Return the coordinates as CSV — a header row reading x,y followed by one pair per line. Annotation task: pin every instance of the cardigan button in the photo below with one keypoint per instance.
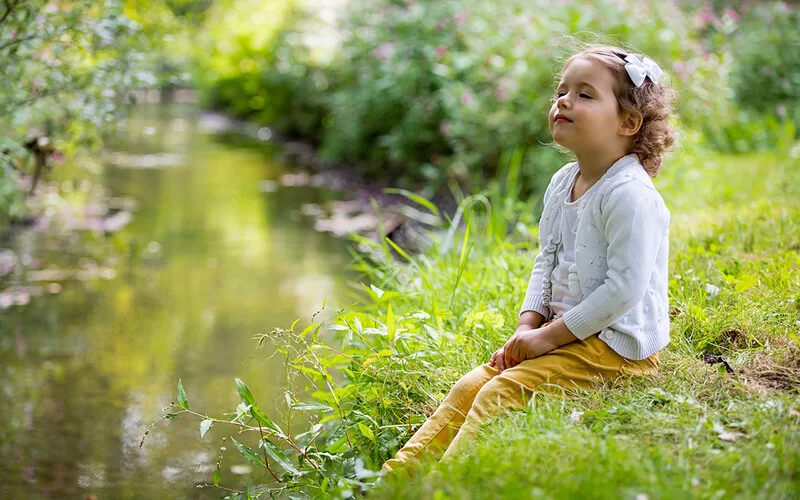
x,y
609,335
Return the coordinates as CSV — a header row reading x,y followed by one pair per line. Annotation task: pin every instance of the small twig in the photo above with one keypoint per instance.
x,y
341,354
711,360
325,376
10,6
243,426
312,442
354,330
397,426
264,448
206,485
17,41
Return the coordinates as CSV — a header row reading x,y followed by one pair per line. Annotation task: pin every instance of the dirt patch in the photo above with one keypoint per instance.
x,y
777,368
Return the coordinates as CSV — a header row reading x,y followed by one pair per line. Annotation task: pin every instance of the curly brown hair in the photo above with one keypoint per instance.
x,y
654,102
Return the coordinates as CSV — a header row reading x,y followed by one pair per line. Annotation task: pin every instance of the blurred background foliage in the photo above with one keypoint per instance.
x,y
63,68
429,92
422,94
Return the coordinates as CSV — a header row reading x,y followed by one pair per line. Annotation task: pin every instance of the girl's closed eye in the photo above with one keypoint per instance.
x,y
582,94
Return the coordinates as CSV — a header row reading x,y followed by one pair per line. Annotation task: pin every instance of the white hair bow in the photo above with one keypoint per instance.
x,y
637,69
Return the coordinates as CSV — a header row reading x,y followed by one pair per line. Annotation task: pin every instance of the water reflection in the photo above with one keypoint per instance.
x,y
209,260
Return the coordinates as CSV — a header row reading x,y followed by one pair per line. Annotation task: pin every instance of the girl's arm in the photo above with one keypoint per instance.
x,y
636,222
530,320
529,344
533,302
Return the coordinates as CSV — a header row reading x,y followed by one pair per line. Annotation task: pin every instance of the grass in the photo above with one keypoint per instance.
x,y
692,430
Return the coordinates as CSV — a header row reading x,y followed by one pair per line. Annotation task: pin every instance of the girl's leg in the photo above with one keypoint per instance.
x,y
576,365
436,433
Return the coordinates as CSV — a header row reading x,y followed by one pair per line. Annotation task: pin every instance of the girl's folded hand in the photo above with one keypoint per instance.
x,y
499,359
521,346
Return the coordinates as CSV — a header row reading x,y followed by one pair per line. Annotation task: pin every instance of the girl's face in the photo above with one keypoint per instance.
x,y
584,117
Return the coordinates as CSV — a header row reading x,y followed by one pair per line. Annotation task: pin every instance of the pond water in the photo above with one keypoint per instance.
x,y
210,259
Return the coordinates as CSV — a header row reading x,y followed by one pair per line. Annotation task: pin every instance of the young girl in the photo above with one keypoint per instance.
x,y
596,305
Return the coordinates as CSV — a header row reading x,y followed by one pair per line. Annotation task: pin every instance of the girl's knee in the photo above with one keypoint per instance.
x,y
471,383
501,391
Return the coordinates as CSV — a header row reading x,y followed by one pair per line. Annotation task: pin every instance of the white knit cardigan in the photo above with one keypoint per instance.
x,y
621,254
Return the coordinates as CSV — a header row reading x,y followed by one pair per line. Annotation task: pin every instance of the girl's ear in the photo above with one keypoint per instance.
x,y
630,124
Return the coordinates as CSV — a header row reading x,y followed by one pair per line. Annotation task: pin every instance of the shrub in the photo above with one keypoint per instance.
x,y
435,91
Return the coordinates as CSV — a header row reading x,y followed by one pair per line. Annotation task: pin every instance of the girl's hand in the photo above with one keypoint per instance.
x,y
499,359
522,345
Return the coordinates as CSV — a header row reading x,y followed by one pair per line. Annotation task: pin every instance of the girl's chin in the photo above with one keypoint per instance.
x,y
561,141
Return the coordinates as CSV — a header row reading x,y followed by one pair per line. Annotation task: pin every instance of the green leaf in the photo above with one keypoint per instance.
x,y
378,291
244,393
248,453
310,406
391,324
276,454
339,446
309,328
366,431
205,425
264,420
414,197
183,401
216,477
255,411
398,249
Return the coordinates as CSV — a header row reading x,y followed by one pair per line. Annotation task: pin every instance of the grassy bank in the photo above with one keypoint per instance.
x,y
370,374
692,430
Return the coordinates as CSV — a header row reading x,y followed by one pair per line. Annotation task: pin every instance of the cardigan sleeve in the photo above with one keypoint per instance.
x,y
533,296
635,222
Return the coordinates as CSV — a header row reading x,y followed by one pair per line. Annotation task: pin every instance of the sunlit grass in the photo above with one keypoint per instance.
x,y
692,430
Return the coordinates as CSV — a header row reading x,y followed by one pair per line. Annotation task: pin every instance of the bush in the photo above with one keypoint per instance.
x,y
767,53
441,89
255,65
762,40
64,70
435,91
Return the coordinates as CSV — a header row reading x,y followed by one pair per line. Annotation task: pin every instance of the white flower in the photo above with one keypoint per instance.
x,y
575,417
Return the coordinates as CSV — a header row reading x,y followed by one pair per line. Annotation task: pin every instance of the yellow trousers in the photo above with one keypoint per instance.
x,y
483,393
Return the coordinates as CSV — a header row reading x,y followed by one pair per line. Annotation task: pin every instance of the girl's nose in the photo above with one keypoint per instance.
x,y
562,101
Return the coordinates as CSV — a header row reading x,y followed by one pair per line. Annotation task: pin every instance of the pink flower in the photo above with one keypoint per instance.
x,y
384,51
444,128
466,98
441,51
683,70
501,95
706,16
731,14
6,300
461,17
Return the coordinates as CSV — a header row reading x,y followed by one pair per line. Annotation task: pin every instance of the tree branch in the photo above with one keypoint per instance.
x,y
18,40
10,6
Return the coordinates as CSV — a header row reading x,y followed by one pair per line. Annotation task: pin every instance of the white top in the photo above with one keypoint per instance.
x,y
564,278
621,258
